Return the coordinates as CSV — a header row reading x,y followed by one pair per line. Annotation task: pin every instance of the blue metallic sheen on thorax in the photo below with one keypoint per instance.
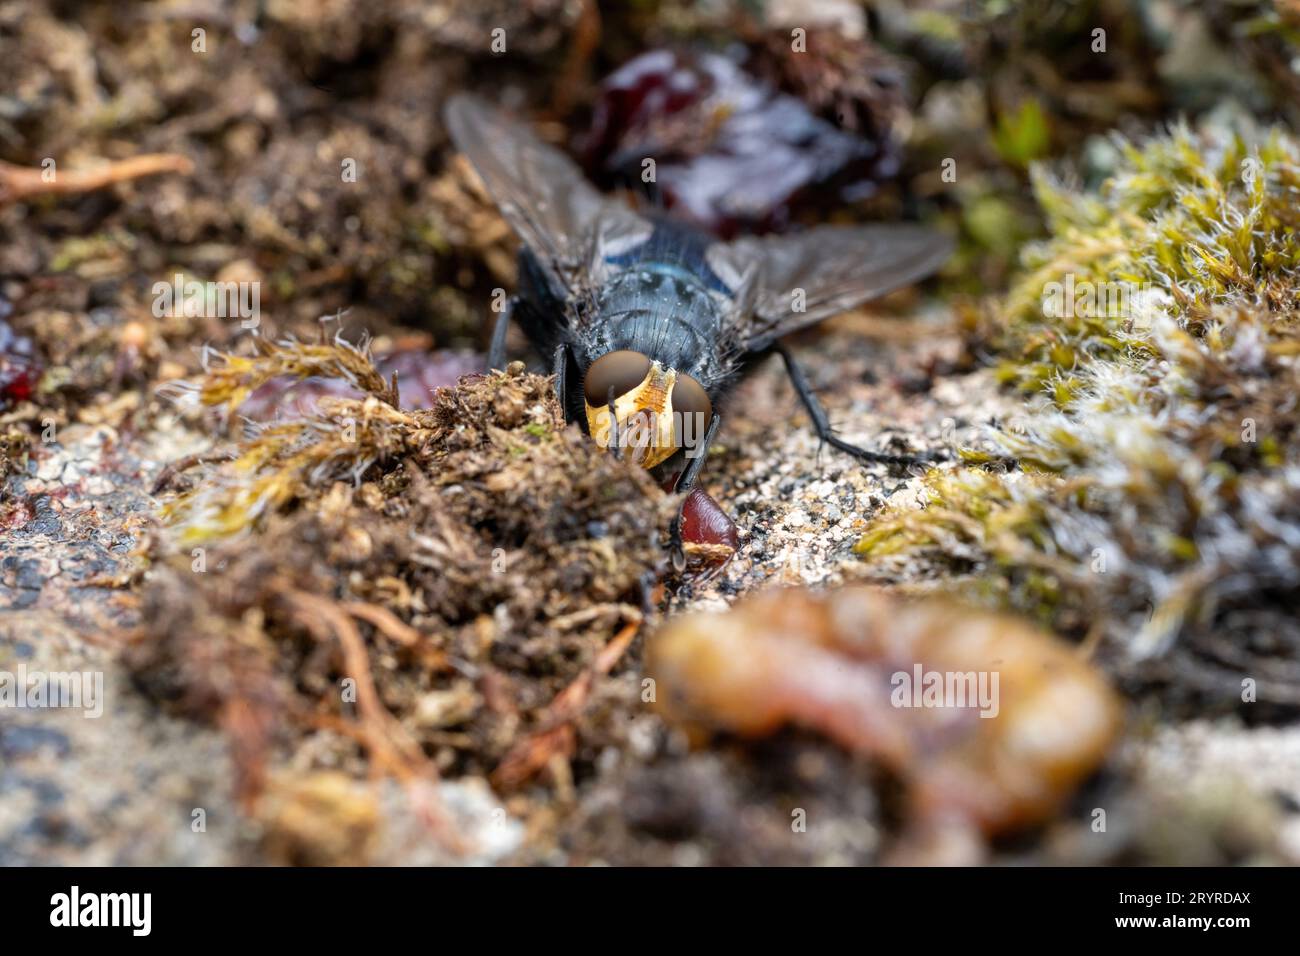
x,y
661,312
665,302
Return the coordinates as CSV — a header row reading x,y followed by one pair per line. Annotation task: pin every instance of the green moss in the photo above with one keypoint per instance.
x,y
1157,454
1023,135
1182,228
79,251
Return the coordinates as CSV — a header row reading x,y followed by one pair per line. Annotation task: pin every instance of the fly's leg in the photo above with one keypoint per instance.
x,y
676,550
694,464
560,369
822,424
496,358
615,444
684,485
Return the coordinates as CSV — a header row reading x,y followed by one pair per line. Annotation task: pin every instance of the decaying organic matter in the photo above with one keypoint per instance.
x,y
1029,722
427,580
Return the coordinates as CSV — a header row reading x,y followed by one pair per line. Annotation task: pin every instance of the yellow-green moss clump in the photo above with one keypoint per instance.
x,y
1151,487
278,462
1185,228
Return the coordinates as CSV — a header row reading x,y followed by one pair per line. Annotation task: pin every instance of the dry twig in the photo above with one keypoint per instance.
x,y
19,183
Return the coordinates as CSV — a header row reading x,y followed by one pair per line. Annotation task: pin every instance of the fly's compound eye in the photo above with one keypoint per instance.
x,y
692,411
614,373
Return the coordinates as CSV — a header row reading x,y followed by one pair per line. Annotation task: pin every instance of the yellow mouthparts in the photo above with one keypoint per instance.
x,y
644,418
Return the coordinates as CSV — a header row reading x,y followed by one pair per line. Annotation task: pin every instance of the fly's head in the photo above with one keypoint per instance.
x,y
641,406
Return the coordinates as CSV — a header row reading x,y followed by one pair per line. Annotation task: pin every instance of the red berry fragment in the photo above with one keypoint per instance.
x,y
731,152
20,367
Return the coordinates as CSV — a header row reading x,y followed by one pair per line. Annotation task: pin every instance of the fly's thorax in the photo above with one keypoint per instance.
x,y
660,311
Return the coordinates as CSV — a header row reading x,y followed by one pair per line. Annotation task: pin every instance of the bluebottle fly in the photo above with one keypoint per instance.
x,y
649,322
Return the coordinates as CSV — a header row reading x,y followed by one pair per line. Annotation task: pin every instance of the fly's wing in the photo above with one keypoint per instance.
x,y
542,194
791,282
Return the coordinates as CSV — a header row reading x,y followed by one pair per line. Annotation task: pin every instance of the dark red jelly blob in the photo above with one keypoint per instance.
x,y
704,522
20,367
419,373
731,152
